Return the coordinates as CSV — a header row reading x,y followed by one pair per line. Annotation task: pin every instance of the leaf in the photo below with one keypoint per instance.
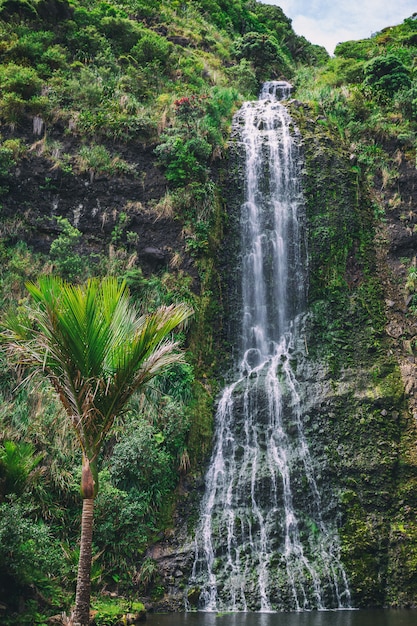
x,y
159,438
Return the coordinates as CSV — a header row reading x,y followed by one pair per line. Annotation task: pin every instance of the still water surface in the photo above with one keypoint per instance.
x,y
316,618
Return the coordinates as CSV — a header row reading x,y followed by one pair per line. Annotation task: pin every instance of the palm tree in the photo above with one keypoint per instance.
x,y
97,351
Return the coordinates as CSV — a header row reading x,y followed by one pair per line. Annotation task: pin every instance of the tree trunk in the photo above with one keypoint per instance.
x,y
82,596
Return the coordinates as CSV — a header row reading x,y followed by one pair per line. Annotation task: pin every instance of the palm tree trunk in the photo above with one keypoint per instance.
x,y
82,596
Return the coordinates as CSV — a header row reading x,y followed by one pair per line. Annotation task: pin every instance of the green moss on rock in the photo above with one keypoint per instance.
x,y
358,425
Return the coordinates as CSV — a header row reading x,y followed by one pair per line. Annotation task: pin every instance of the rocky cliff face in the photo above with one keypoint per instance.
x,y
358,372
355,367
39,191
359,377
396,254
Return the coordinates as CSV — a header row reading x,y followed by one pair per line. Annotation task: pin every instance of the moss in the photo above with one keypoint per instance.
x,y
117,611
201,431
366,437
364,538
205,342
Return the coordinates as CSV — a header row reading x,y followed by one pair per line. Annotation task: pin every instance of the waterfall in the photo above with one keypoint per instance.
x,y
263,542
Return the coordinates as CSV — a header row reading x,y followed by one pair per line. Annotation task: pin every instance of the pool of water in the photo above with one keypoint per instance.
x,y
314,618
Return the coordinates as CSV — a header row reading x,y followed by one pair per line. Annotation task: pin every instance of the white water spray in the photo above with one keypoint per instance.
x,y
262,543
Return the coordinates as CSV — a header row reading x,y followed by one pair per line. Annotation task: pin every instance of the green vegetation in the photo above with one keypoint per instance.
x,y
115,121
360,139
67,263
97,352
97,67
110,612
84,88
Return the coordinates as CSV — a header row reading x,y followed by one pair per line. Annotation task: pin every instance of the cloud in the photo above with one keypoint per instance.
x,y
324,33
327,22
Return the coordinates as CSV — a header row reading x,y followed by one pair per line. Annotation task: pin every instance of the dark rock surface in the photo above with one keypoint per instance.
x,y
39,192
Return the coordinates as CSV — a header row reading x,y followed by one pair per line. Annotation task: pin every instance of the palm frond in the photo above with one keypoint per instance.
x,y
93,346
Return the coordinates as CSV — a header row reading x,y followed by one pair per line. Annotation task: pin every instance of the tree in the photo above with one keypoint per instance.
x,y
265,54
96,350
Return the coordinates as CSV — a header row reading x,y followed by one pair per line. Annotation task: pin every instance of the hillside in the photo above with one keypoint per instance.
x,y
115,151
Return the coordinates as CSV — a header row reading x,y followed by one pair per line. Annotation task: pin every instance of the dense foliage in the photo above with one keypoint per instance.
x,y
360,145
97,351
135,95
366,95
83,86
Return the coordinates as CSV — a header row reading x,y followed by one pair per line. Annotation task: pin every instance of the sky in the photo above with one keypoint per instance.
x,y
328,22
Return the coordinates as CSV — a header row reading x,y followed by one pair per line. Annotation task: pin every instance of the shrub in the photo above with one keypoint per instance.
x,y
96,159
406,100
87,42
141,463
85,91
151,47
243,75
184,160
189,110
387,74
265,54
346,71
7,161
28,555
17,461
12,109
190,69
137,484
122,33
67,262
143,9
123,119
16,147
31,45
19,264
22,81
55,57
219,111
353,50
95,12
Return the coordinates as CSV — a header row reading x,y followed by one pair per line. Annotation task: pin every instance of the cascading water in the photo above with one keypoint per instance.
x,y
263,543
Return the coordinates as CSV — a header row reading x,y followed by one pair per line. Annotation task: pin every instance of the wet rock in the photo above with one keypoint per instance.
x,y
134,618
193,596
394,329
154,256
